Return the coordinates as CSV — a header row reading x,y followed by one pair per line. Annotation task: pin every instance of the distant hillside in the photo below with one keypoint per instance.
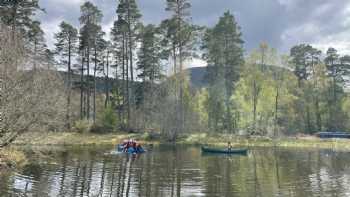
x,y
197,76
100,81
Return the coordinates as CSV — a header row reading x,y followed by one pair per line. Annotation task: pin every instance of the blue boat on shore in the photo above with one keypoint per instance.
x,y
327,135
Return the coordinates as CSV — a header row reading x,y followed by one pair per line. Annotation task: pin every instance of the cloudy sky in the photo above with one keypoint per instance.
x,y
281,23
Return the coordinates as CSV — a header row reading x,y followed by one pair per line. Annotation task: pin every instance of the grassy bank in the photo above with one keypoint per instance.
x,y
80,139
288,142
192,139
11,158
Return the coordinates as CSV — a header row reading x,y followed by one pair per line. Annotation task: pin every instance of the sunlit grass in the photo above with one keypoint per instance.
x,y
11,158
293,142
72,138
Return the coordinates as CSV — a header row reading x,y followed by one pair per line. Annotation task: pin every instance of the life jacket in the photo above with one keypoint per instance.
x,y
129,144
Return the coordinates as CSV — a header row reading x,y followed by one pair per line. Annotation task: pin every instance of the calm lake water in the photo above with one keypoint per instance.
x,y
182,171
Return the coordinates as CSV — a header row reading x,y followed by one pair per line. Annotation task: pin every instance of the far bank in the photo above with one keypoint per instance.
x,y
86,139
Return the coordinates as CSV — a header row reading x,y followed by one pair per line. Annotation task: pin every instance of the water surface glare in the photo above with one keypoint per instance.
x,y
182,171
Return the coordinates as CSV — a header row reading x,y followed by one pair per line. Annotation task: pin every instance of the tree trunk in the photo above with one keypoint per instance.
x,y
308,120
9,140
82,86
130,56
107,80
94,99
318,115
14,18
316,98
124,78
127,83
117,91
255,103
34,56
69,85
88,82
181,106
335,102
181,59
276,112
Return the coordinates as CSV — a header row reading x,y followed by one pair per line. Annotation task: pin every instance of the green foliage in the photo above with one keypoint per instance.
x,y
303,57
66,42
201,106
107,121
224,53
19,14
269,85
21,17
263,93
150,55
82,126
90,20
129,12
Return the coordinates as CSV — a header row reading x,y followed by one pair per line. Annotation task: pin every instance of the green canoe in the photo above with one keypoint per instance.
x,y
224,151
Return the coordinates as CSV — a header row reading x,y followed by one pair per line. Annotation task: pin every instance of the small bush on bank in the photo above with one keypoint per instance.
x,y
82,126
151,135
106,122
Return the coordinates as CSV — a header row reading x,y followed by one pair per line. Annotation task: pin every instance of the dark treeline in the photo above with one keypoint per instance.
x,y
261,93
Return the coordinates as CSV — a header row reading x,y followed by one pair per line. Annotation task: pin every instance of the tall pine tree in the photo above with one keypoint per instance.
x,y
224,53
19,14
179,35
127,28
66,48
90,21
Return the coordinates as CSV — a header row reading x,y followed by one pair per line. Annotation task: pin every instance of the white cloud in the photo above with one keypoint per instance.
x,y
50,29
67,2
107,28
327,25
288,3
313,34
322,9
195,62
294,34
339,41
282,23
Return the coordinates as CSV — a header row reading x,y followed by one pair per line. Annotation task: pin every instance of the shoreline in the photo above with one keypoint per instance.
x,y
13,157
90,139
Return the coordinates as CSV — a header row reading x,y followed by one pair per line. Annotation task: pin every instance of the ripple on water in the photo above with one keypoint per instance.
x,y
184,171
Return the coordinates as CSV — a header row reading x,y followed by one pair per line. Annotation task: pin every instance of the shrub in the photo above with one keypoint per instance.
x,y
82,126
106,122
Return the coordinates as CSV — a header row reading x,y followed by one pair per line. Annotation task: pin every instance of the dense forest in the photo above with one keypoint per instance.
x,y
258,92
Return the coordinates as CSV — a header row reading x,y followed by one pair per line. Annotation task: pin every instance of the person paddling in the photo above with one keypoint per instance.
x,y
131,145
124,145
139,148
128,145
229,146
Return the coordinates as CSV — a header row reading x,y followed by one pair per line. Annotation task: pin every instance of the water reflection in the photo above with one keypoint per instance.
x,y
183,171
